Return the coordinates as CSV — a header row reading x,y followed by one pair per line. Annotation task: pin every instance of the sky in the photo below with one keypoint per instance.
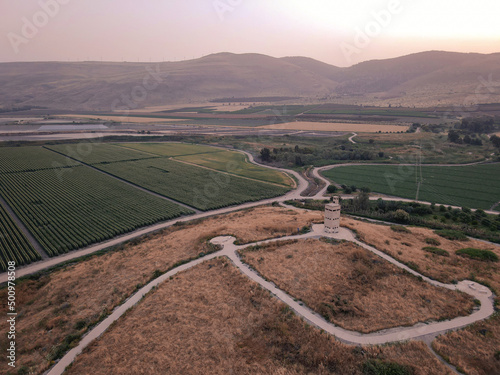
x,y
338,32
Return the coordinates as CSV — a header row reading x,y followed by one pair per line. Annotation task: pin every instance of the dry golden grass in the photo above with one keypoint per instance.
x,y
476,349
50,307
336,127
407,247
213,320
131,119
469,348
395,137
352,287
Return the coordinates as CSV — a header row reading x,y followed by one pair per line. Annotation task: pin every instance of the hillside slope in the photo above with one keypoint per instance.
x,y
418,79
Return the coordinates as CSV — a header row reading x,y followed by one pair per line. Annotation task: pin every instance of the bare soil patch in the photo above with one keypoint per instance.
x,y
213,320
66,301
352,287
131,119
336,127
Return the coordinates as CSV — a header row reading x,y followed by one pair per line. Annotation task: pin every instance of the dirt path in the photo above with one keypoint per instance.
x,y
294,194
39,249
230,250
320,195
418,331
51,262
351,138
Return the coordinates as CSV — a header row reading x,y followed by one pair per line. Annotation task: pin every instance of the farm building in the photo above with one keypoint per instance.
x,y
332,216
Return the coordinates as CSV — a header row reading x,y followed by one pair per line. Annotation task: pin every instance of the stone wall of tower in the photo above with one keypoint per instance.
x,y
332,217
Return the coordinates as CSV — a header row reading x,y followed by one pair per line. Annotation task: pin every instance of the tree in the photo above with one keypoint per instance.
x,y
402,216
331,189
371,141
381,154
298,161
265,154
454,137
495,140
362,201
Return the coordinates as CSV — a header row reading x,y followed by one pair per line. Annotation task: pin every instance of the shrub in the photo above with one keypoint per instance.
x,y
432,241
401,216
478,254
331,189
436,250
453,235
378,367
400,229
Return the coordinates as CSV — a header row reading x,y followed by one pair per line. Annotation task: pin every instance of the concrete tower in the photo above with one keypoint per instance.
x,y
332,216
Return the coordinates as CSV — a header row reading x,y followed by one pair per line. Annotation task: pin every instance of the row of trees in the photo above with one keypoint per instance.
x,y
305,156
454,137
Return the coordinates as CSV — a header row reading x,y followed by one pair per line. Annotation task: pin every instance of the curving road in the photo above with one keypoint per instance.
x,y
293,194
230,250
51,262
317,174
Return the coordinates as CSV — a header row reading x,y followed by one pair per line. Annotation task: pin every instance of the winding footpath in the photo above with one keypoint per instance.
x,y
230,250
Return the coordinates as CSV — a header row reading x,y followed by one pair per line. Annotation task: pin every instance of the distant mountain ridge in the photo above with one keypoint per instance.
x,y
427,78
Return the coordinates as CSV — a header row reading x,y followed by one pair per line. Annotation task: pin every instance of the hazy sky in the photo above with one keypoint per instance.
x,y
340,32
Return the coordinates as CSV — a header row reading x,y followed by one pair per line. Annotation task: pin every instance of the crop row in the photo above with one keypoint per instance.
x,y
95,153
14,246
24,159
195,186
475,186
73,208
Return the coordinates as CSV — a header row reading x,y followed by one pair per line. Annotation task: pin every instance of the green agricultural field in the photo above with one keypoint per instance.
x,y
71,208
476,186
14,246
19,159
170,149
236,163
96,153
195,186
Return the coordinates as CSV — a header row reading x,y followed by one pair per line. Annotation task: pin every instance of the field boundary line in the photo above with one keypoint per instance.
x,y
173,158
165,156
38,247
132,184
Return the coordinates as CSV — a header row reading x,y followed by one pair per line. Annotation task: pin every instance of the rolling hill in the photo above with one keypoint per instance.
x,y
422,79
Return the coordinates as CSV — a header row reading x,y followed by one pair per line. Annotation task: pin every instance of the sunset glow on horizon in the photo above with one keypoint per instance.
x,y
337,32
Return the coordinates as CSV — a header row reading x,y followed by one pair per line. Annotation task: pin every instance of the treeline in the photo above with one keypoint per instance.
x,y
473,223
470,129
300,156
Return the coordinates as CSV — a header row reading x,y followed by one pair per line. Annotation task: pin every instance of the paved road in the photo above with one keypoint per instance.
x,y
317,174
391,335
294,194
230,250
47,263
